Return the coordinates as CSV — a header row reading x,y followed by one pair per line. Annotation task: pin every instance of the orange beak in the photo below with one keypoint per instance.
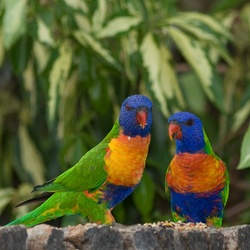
x,y
174,131
141,117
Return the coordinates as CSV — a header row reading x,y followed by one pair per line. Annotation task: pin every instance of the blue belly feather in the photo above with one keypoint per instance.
x,y
114,194
197,207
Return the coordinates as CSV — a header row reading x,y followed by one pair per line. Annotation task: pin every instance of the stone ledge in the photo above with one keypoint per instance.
x,y
143,237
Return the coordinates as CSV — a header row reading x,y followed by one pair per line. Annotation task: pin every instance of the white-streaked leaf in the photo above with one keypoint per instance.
x,y
14,23
42,55
168,77
219,50
30,156
118,25
99,15
77,5
150,55
88,40
245,151
57,78
217,46
130,46
208,20
83,22
44,32
195,54
196,31
161,73
241,115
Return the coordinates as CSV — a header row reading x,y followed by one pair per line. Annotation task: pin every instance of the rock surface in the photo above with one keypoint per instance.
x,y
149,236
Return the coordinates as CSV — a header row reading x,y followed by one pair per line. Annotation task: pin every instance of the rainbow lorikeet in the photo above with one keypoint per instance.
x,y
104,176
197,181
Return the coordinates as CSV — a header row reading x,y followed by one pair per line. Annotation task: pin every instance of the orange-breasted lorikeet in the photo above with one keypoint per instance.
x,y
197,181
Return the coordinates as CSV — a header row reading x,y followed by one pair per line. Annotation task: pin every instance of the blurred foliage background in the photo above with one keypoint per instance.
x,y
66,66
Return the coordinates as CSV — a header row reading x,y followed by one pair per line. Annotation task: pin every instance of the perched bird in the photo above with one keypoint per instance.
x,y
104,176
197,181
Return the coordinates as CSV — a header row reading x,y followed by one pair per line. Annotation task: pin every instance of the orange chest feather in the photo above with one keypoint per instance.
x,y
196,173
125,159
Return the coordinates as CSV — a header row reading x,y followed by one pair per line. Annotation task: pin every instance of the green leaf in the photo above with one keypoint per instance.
x,y
99,15
119,25
193,29
144,195
245,151
241,115
156,60
197,56
42,55
20,54
88,40
14,23
83,23
77,5
44,32
209,21
57,78
6,196
204,33
30,156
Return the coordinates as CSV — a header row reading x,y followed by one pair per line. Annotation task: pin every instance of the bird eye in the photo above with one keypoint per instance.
x,y
128,107
190,122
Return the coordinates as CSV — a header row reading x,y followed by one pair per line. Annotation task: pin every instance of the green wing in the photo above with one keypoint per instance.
x,y
225,192
167,190
87,174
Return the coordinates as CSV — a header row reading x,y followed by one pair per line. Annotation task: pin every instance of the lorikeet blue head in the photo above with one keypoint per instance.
x,y
136,116
187,130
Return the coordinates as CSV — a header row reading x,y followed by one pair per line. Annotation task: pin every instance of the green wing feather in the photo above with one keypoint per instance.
x,y
225,192
88,173
167,189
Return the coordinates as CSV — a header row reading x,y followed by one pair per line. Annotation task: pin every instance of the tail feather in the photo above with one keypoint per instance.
x,y
39,198
60,204
39,187
55,206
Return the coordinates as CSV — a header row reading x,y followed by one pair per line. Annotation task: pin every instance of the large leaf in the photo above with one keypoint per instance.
x,y
88,40
44,32
205,33
241,115
42,55
99,15
209,21
245,151
119,25
77,5
197,56
161,73
30,156
14,23
57,78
